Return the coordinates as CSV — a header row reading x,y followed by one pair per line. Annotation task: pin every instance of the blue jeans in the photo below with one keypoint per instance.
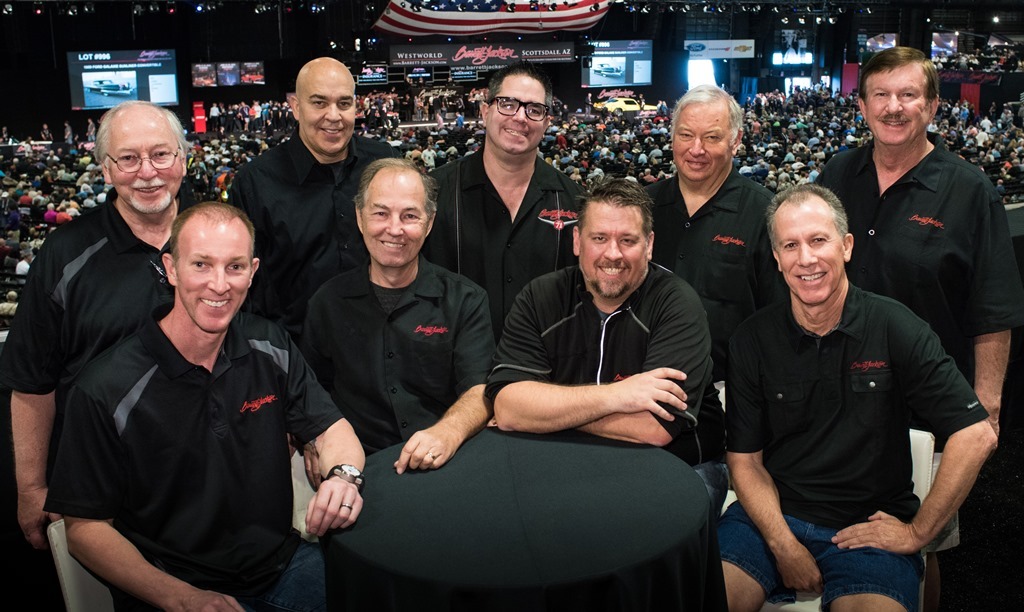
x,y
301,587
849,571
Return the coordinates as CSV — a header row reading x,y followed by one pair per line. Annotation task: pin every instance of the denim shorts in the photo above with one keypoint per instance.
x,y
843,571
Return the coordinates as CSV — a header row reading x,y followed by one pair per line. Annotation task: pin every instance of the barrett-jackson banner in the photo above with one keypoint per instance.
x,y
469,17
961,76
482,56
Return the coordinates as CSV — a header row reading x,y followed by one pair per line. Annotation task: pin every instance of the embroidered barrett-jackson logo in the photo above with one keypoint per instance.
x,y
728,240
864,366
256,404
558,217
928,221
619,377
430,330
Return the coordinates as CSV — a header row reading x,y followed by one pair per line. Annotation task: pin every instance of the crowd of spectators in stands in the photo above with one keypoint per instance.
x,y
1000,58
786,142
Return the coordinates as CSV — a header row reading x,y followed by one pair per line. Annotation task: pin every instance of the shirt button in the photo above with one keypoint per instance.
x,y
391,354
871,384
778,396
871,232
681,256
863,270
405,424
508,280
687,224
394,389
508,245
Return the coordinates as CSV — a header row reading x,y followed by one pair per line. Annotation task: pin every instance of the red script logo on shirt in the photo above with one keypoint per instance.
x,y
728,240
559,218
864,366
927,221
256,404
430,330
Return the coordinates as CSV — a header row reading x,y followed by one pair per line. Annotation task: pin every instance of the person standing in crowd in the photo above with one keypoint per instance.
x,y
176,402
616,346
299,195
711,229
45,134
69,134
412,369
214,117
821,390
93,283
504,215
90,130
931,231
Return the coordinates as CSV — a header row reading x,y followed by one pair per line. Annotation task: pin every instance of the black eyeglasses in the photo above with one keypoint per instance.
x,y
510,106
161,160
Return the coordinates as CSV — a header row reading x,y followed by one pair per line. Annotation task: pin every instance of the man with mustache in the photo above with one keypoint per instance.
x,y
299,196
93,283
617,346
931,231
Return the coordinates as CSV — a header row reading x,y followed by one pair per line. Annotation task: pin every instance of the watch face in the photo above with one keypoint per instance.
x,y
352,471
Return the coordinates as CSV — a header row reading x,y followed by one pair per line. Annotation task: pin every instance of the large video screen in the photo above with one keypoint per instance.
x,y
252,73
103,79
204,75
616,63
793,47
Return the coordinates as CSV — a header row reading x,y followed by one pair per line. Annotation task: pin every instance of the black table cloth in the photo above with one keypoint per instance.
x,y
555,522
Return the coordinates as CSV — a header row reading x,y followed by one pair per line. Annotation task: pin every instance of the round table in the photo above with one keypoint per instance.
x,y
563,521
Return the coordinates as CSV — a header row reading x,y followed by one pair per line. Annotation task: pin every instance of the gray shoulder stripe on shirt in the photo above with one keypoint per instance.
x,y
126,405
562,322
510,366
278,355
71,269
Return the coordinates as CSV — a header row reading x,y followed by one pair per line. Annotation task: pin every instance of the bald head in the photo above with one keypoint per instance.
x,y
324,107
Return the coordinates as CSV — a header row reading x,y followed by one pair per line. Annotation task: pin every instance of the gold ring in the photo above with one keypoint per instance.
x,y
349,506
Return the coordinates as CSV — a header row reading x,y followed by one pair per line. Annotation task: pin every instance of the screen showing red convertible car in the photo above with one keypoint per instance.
x,y
102,79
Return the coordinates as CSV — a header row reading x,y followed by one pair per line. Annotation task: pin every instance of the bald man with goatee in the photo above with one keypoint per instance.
x,y
299,195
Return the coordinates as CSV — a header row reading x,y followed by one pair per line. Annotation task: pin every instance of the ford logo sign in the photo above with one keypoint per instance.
x,y
695,47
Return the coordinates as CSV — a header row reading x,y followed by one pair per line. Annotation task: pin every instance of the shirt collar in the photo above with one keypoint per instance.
x,y
167,357
851,322
927,173
304,162
475,175
117,230
426,284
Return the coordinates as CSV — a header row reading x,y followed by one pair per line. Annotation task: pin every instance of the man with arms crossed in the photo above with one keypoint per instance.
x,y
710,224
503,214
93,283
931,233
185,500
402,345
821,393
616,346
299,195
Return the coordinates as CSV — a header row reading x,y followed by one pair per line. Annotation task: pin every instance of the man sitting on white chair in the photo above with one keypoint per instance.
x,y
821,393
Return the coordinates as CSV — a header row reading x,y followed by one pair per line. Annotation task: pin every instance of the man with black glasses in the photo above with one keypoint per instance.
x,y
94,282
505,217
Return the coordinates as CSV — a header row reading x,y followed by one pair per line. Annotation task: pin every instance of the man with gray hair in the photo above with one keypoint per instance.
x,y
402,345
710,224
93,283
821,392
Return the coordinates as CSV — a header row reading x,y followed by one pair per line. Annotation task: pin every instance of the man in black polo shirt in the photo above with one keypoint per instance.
x,y
299,195
931,231
710,224
93,283
185,501
503,214
821,393
617,346
402,345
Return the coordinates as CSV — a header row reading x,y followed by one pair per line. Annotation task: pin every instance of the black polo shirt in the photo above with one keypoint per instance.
x,y
831,414
396,373
723,251
92,284
937,241
555,334
193,466
305,223
473,234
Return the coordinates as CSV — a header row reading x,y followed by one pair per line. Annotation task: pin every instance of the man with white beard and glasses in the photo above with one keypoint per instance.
x,y
93,283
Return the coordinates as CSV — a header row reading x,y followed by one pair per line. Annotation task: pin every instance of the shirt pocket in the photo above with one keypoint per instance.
x,y
789,411
872,394
726,275
433,374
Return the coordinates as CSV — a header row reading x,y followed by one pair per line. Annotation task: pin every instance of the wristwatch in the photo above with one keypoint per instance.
x,y
348,473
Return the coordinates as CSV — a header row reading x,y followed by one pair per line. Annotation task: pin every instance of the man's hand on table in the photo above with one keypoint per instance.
x,y
429,449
